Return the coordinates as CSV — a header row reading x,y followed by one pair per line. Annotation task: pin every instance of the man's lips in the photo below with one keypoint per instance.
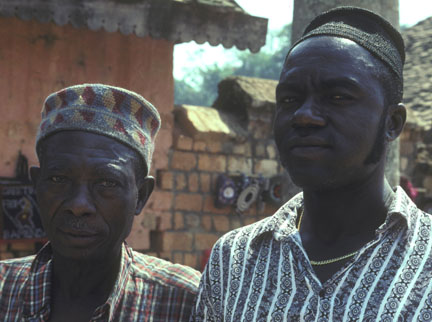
x,y
78,232
307,143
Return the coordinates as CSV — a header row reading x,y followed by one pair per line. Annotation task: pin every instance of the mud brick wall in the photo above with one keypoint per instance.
x,y
189,186
233,137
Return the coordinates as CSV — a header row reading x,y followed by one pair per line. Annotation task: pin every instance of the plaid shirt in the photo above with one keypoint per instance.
x,y
261,272
147,289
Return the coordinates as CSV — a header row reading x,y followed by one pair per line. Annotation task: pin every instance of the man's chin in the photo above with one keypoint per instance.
x,y
80,254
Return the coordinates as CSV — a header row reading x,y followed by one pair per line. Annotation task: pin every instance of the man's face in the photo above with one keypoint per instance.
x,y
329,109
87,194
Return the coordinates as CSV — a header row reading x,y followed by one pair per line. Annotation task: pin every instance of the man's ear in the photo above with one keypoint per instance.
x,y
34,175
396,119
144,193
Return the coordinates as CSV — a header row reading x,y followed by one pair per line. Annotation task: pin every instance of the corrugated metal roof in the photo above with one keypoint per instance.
x,y
216,21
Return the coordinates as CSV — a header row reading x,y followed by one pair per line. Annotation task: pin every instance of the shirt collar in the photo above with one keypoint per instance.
x,y
114,299
38,291
37,296
283,222
401,206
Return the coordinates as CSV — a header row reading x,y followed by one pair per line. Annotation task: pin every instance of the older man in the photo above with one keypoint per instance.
x,y
349,247
95,145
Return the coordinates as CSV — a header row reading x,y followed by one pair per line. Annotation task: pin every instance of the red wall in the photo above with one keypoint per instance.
x,y
39,58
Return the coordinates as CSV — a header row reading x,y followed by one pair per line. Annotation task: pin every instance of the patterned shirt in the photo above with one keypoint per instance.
x,y
147,289
261,272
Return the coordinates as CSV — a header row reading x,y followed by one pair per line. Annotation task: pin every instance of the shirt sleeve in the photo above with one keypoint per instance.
x,y
203,309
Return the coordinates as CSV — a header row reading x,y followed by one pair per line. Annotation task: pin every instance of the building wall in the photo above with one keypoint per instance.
x,y
37,59
185,200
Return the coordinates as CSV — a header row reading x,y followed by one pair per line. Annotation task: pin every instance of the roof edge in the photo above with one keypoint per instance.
x,y
173,20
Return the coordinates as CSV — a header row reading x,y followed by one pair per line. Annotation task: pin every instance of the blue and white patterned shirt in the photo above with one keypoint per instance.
x,y
261,272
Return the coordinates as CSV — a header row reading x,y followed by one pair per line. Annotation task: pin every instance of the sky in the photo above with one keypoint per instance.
x,y
279,13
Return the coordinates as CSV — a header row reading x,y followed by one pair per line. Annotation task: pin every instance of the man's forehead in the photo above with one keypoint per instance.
x,y
328,54
323,45
87,143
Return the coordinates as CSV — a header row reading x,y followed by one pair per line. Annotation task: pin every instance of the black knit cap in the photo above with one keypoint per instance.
x,y
364,27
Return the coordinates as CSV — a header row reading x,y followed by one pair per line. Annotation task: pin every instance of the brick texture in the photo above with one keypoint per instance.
x,y
182,142
177,241
191,259
214,146
221,223
178,221
148,220
159,200
205,241
192,220
180,181
199,146
190,202
205,180
193,182
209,207
215,163
236,163
165,180
139,237
183,160
206,222
177,257
266,167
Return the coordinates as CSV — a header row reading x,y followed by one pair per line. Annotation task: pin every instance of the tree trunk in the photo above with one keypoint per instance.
x,y
306,10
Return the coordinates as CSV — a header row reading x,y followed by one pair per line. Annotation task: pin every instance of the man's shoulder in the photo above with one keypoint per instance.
x,y
14,273
269,224
246,234
22,264
165,273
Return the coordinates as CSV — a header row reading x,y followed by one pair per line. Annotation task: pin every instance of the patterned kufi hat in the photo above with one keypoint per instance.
x,y
102,109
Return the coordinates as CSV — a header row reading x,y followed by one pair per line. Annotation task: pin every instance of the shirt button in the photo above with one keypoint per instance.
x,y
322,292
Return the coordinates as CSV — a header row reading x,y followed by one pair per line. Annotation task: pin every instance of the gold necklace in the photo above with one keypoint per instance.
x,y
326,261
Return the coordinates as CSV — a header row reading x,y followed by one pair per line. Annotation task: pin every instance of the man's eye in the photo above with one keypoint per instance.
x,y
289,100
108,183
57,179
341,97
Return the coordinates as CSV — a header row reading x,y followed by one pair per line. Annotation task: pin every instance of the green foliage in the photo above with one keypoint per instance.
x,y
199,86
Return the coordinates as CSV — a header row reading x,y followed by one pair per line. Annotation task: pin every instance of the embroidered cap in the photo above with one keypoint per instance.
x,y
102,109
364,27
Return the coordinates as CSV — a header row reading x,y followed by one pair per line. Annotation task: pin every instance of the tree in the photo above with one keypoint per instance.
x,y
199,86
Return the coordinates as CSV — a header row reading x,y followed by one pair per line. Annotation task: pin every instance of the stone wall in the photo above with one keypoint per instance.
x,y
416,155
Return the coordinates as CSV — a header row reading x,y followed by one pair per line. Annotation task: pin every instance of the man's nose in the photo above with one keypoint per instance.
x,y
308,114
80,202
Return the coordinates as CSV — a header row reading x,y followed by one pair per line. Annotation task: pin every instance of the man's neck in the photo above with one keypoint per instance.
x,y
336,214
74,280
338,222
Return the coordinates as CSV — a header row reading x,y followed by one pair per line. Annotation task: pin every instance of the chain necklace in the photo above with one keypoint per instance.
x,y
326,261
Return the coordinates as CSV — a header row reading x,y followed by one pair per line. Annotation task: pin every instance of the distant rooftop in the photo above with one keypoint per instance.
x,y
216,21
